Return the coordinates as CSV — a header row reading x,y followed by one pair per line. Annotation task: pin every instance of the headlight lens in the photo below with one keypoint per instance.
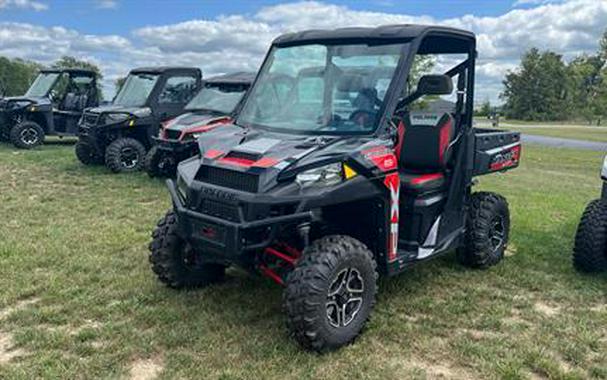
x,y
182,187
604,170
327,175
116,117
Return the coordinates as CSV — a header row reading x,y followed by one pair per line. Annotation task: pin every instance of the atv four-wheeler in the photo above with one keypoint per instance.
x,y
212,107
343,177
51,106
590,248
120,134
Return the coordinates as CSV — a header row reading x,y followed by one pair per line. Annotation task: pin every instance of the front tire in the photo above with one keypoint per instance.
x,y
175,262
487,231
87,154
27,135
125,155
590,248
159,163
330,293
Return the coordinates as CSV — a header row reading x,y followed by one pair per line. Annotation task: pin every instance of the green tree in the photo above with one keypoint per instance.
x,y
537,90
586,82
67,62
16,75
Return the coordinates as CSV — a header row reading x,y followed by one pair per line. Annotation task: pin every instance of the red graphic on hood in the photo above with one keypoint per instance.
x,y
382,157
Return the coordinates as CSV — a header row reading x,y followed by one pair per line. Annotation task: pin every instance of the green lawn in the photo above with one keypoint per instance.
x,y
579,133
78,300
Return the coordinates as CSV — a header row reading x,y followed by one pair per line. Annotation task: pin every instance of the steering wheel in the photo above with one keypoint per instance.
x,y
363,118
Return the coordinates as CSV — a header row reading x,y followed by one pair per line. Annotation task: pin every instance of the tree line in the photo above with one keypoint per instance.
x,y
546,88
16,74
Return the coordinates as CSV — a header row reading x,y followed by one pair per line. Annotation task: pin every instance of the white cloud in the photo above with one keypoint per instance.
x,y
239,42
107,4
23,4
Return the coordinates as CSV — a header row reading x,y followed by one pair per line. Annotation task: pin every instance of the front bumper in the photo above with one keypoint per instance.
x,y
227,240
177,147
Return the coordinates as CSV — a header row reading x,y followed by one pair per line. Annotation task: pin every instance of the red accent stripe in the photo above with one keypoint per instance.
x,y
280,255
265,162
426,178
445,136
237,161
401,138
212,154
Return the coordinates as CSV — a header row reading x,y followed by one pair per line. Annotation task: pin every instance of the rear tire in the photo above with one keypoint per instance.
x,y
159,163
590,248
174,261
125,155
87,154
27,135
5,133
487,231
330,293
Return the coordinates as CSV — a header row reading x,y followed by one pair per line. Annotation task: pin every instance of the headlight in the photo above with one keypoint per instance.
x,y
604,170
327,175
182,187
116,117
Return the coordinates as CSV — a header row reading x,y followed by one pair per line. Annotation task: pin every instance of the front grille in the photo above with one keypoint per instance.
x,y
172,134
90,118
228,178
219,210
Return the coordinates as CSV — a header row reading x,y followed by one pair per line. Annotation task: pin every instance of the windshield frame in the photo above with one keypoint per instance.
x,y
49,89
149,94
409,46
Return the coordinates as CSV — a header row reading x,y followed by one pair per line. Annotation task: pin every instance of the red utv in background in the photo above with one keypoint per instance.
x,y
210,108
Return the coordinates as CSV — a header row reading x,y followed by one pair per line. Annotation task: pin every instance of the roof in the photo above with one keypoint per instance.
x,y
77,71
163,69
240,77
384,32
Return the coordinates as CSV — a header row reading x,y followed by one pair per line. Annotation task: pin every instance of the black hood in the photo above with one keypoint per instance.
x,y
192,120
25,99
111,108
270,156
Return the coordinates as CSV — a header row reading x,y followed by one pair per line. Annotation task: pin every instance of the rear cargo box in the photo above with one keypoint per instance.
x,y
495,150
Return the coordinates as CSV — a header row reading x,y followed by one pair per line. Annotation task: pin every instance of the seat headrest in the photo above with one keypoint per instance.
x,y
431,119
350,83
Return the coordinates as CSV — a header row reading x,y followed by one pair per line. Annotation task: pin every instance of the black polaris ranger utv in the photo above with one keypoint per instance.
x,y
121,133
51,106
590,248
341,178
212,107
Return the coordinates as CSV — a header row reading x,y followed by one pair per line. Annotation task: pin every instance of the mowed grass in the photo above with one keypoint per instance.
x,y
576,133
78,300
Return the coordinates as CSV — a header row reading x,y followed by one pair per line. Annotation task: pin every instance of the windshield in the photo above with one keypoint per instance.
x,y
217,98
326,89
136,89
42,85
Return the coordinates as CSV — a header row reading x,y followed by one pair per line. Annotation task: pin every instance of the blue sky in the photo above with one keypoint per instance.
x,y
224,36
90,16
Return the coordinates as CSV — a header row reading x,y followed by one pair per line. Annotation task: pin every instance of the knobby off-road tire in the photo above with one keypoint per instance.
x,y
5,133
87,154
159,163
125,155
590,248
487,231
174,261
27,135
316,286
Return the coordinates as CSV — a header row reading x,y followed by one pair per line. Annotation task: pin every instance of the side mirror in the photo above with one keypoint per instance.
x,y
435,85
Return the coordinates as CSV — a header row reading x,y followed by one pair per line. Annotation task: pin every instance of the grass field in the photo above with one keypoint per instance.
x,y
77,298
578,133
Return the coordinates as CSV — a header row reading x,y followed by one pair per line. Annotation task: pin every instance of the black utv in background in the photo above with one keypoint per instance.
x,y
52,106
210,108
341,176
120,134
